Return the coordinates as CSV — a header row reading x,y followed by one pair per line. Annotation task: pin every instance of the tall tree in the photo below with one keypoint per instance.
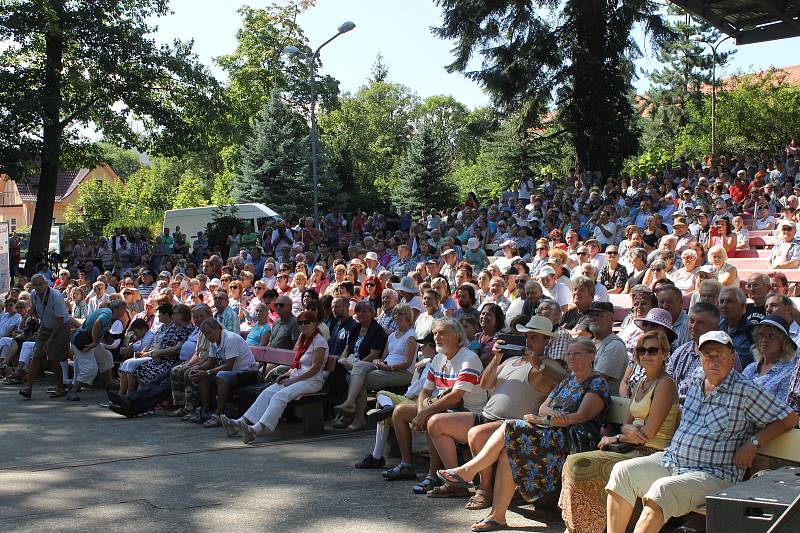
x,y
72,63
535,50
424,173
276,163
686,67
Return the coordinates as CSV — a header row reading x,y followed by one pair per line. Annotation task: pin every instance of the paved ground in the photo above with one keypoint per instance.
x,y
79,467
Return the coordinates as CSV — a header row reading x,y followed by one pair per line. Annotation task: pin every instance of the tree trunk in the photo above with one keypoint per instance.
x,y
51,141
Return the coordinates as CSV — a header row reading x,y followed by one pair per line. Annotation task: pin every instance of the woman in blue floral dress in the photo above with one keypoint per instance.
x,y
530,453
166,356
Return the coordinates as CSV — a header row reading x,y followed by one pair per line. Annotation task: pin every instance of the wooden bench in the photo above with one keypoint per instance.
x,y
310,408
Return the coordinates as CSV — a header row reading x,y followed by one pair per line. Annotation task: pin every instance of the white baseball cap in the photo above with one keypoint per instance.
x,y
715,336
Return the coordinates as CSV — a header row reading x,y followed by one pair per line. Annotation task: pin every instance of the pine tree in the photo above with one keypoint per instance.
x,y
275,164
686,69
423,174
379,71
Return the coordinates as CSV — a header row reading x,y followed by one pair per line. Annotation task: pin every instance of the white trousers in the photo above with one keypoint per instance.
x,y
129,365
5,342
91,362
25,352
270,404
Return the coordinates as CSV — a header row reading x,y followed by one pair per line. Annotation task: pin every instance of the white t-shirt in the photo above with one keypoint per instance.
x,y
462,372
416,303
307,359
560,293
233,346
396,348
600,236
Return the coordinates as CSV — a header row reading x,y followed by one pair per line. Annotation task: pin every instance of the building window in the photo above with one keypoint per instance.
x,y
13,225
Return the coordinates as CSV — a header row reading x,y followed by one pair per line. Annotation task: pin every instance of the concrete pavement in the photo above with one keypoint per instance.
x,y
79,467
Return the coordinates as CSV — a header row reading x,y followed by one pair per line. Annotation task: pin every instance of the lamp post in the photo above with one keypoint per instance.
x,y
311,60
698,38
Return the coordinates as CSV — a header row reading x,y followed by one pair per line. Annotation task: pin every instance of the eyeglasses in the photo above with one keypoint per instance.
x,y
611,253
540,249
641,350
304,322
658,270
573,354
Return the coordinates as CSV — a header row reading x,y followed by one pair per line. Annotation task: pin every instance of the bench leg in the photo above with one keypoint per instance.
x,y
313,417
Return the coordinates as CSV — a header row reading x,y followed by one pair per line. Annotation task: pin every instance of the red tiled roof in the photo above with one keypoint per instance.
x,y
66,182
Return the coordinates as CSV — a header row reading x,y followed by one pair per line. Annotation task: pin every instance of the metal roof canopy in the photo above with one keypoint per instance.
x,y
749,21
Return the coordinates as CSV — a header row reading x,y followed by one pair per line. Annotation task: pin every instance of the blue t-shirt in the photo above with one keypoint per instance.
x,y
254,337
104,315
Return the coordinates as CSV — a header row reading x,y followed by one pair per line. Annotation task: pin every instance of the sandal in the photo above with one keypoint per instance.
x,y
426,485
489,525
400,472
451,478
447,490
481,500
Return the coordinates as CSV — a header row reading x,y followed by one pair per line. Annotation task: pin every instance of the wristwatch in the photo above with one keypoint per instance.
x,y
755,441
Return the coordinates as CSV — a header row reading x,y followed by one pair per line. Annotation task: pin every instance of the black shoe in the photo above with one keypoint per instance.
x,y
370,462
127,413
400,472
379,415
25,393
114,397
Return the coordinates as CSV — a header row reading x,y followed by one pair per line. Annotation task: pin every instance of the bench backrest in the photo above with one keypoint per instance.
x,y
279,356
786,446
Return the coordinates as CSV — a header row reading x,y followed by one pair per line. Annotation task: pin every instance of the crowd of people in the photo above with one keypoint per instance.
x,y
486,325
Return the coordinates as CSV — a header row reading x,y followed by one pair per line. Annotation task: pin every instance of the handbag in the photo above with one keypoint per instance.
x,y
621,447
582,438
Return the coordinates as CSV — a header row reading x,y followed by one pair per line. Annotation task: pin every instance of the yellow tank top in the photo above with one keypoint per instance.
x,y
641,409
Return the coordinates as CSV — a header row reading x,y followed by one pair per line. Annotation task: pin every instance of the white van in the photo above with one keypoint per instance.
x,y
194,219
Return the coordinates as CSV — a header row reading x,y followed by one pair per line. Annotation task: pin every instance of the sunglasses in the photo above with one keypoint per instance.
x,y
582,253
304,322
370,284
611,253
540,249
640,351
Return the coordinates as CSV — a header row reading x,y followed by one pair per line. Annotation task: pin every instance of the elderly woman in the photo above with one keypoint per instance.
x,y
648,427
393,369
614,275
656,272
684,278
530,453
389,299
726,272
166,356
366,343
774,354
741,233
306,375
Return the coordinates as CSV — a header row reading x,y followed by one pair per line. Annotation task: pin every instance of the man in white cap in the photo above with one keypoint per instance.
x,y
409,294
373,266
553,289
508,252
785,252
726,419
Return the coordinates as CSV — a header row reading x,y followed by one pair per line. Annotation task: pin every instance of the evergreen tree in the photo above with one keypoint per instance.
x,y
687,67
379,71
275,166
423,174
577,52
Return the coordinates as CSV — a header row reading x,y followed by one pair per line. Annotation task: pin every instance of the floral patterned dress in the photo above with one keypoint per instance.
x,y
537,453
149,371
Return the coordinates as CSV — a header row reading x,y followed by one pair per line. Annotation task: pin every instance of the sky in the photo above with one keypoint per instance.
x,y
400,31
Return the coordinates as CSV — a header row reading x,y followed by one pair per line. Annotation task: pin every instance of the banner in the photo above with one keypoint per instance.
x,y
5,267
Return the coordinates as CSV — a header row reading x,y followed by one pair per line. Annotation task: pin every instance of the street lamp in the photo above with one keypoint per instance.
x,y
698,38
311,60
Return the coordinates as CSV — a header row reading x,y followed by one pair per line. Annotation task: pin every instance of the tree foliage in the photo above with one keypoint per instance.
x,y
424,173
69,64
535,50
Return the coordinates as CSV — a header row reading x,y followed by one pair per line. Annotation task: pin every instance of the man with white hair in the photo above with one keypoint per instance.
x,y
600,291
373,266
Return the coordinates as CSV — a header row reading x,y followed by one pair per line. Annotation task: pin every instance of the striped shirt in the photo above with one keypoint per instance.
x,y
713,427
462,372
